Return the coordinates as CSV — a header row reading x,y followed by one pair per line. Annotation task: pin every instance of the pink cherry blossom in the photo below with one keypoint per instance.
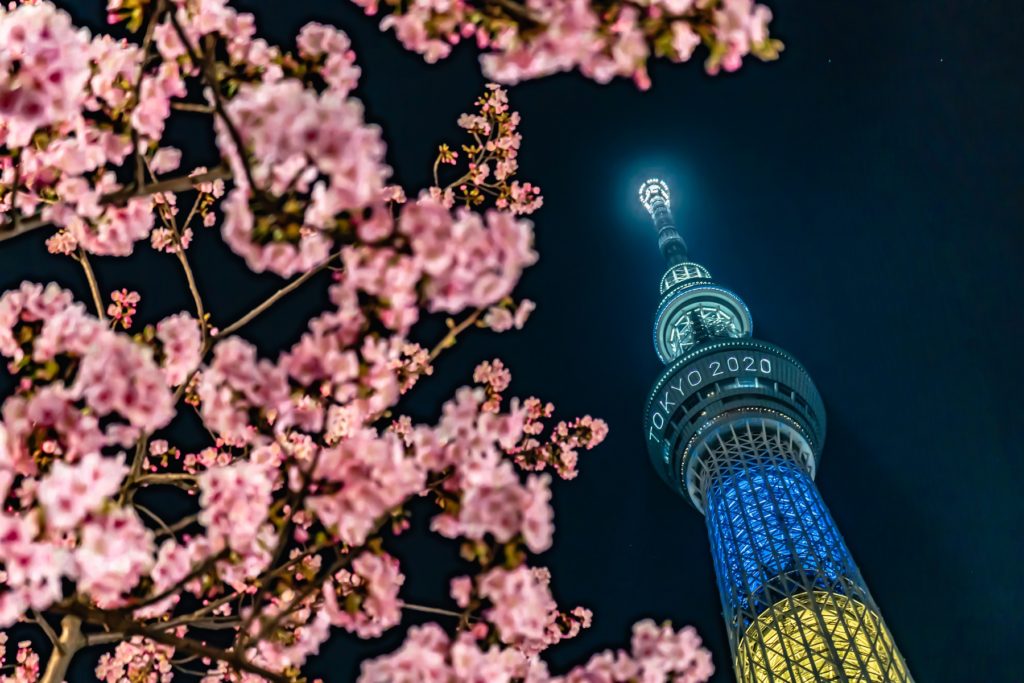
x,y
364,476
741,26
42,73
32,568
26,662
136,659
235,383
422,658
234,500
469,260
30,303
372,588
115,552
288,474
522,607
339,70
181,343
123,306
70,492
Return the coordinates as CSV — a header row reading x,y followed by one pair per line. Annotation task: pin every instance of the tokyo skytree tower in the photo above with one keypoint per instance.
x,y
736,426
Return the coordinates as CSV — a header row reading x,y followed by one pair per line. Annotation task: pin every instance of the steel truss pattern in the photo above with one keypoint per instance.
x,y
796,607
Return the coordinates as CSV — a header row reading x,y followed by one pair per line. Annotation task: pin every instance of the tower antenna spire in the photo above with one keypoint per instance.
x,y
655,197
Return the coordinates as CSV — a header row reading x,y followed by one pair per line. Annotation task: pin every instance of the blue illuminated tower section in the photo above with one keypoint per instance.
x,y
736,426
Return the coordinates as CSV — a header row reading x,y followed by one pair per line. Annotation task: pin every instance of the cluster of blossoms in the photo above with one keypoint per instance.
x,y
123,306
603,40
136,659
491,159
42,75
429,655
365,600
25,666
309,469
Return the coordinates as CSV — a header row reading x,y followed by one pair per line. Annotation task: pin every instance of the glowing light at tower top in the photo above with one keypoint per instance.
x,y
653,191
655,198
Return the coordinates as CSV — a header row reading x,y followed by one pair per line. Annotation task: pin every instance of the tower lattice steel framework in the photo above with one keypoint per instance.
x,y
736,426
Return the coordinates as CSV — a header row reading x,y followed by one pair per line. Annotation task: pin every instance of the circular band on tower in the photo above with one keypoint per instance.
x,y
682,273
716,305
723,380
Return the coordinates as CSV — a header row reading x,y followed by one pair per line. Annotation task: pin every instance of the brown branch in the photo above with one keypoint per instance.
x,y
197,571
127,488
517,10
192,106
176,184
430,610
122,625
236,660
103,638
71,640
188,619
169,478
275,297
94,287
218,101
47,629
268,627
155,517
191,278
147,42
449,339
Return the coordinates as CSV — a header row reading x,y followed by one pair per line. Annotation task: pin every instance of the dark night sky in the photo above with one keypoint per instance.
x,y
863,194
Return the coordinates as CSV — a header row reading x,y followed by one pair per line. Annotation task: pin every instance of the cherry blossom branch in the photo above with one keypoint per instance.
x,y
176,184
267,627
147,42
232,658
430,610
197,571
515,9
275,297
170,478
127,489
94,287
209,607
449,339
70,641
293,503
192,106
191,278
155,517
41,621
218,102
171,222
103,638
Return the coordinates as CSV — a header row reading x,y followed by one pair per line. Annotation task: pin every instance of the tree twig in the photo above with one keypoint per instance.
x,y
103,638
147,41
169,478
449,339
48,630
430,610
176,184
218,101
70,641
94,287
275,297
192,106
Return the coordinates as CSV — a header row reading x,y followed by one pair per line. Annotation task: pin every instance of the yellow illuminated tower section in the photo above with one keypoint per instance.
x,y
736,426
